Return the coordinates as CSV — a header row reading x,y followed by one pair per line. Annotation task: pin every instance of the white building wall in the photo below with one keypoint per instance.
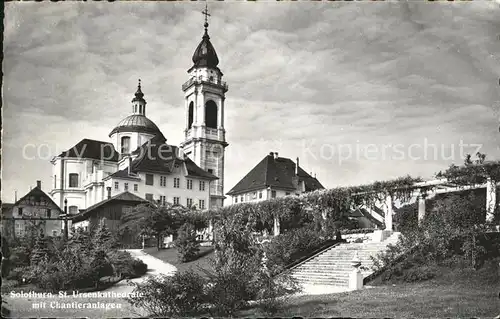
x,y
254,196
136,139
90,175
169,191
50,227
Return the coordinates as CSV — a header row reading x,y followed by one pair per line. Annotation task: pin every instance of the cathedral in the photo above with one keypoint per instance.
x,y
137,158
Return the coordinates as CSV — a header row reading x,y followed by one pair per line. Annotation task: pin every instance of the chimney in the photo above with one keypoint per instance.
x,y
109,192
15,196
297,167
275,155
271,154
39,184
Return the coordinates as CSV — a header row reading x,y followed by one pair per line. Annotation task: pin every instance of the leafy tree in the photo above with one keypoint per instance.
x,y
187,243
154,220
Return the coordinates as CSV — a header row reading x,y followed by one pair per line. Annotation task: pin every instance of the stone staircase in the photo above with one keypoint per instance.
x,y
333,265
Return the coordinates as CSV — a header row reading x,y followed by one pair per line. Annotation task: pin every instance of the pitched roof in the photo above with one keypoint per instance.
x,y
161,157
38,194
124,174
195,170
277,173
92,149
155,157
123,197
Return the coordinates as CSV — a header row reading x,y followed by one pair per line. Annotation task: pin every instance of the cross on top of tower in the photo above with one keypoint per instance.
x,y
206,14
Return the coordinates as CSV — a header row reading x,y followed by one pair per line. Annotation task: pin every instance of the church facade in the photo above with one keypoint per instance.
x,y
137,159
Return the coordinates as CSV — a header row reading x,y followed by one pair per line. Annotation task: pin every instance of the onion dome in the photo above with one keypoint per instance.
x,y
205,55
139,96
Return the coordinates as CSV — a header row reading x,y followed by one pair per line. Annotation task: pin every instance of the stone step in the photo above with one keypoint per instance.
x,y
321,275
314,276
327,269
333,282
310,277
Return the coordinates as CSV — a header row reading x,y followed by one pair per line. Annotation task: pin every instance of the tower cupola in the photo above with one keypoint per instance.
x,y
205,55
138,102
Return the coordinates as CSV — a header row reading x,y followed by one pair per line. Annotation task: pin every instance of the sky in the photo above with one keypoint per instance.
x,y
359,91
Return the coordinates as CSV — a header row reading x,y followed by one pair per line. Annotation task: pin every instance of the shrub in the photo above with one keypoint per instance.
x,y
419,273
357,231
70,271
101,266
234,281
139,268
186,243
126,266
17,273
162,296
448,236
272,296
19,257
285,248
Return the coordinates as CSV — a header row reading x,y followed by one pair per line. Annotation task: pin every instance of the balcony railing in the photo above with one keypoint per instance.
x,y
204,80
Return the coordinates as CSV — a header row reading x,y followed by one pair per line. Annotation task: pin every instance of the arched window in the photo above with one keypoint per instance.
x,y
73,180
211,114
125,145
190,115
73,210
211,79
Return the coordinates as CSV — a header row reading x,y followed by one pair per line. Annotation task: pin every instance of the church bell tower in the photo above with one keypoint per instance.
x,y
204,95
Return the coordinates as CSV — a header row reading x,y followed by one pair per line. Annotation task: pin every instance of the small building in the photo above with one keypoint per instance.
x,y
273,177
35,209
112,209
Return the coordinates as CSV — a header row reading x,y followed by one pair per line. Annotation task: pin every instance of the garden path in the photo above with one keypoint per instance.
x,y
155,267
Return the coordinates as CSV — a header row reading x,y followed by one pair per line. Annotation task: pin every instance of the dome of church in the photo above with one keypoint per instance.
x,y
136,123
205,55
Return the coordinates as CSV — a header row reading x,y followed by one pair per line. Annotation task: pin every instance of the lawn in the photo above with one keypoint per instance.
x,y
458,293
169,255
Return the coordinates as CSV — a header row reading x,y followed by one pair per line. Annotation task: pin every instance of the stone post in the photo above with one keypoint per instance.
x,y
143,242
355,277
276,226
388,212
491,194
421,207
